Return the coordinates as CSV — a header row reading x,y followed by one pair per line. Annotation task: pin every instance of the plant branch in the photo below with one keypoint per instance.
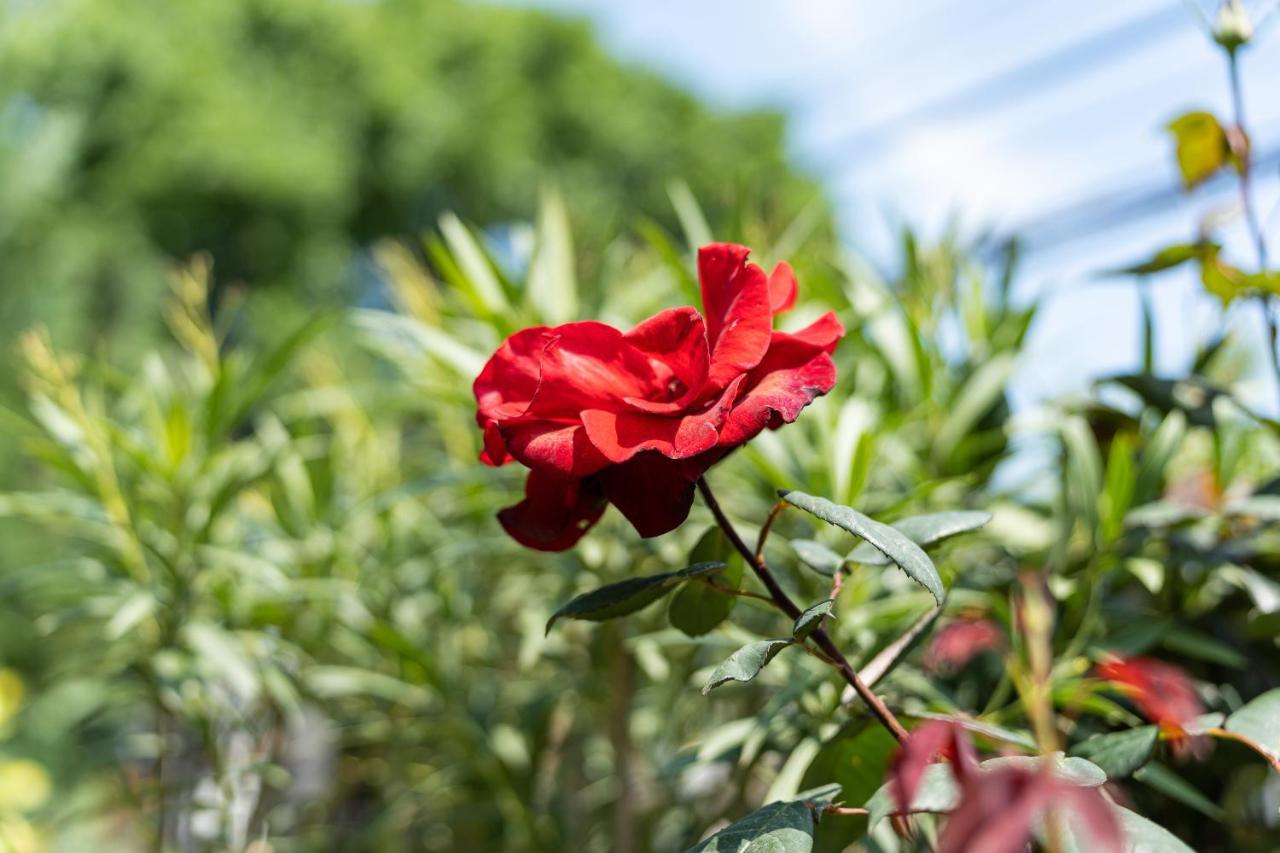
x,y
1241,147
768,525
820,637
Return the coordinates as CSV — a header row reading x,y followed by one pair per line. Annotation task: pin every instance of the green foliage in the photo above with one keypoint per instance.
x,y
746,663
628,596
283,135
895,546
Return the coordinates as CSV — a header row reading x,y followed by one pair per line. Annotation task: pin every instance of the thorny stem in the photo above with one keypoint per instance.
x,y
1240,144
820,637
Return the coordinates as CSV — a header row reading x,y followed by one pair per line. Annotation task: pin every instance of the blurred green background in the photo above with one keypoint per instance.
x,y
252,594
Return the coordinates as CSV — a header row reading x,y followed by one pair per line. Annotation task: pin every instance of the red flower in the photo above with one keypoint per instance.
x,y
955,645
634,419
1162,691
998,808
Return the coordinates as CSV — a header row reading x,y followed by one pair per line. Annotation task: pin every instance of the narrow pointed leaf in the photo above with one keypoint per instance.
x,y
924,530
746,663
892,543
628,596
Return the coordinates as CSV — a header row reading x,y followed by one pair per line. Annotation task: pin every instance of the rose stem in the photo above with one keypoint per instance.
x,y
787,606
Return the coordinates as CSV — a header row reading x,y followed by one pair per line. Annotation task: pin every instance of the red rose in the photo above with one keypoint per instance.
x,y
634,419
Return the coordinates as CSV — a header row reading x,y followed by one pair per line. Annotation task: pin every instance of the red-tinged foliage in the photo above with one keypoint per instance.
x,y
999,810
957,643
929,742
1163,692
633,419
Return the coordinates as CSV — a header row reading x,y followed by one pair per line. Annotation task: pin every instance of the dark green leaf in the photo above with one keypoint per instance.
x,y
698,607
1119,753
746,663
628,596
897,547
924,530
1172,785
811,620
817,556
775,828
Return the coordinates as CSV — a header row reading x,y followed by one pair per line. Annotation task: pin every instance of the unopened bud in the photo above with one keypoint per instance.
x,y
1234,29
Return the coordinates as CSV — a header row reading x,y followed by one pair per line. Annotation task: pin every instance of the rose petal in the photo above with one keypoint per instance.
x,y
495,447
510,377
782,288
652,491
735,299
777,392
621,435
676,339
822,334
556,445
589,365
555,512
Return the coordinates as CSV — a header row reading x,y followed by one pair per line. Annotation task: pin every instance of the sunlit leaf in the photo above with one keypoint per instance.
x,y
924,530
1202,147
893,544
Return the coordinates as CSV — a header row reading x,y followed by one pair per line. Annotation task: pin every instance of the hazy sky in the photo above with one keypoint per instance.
x,y
1002,112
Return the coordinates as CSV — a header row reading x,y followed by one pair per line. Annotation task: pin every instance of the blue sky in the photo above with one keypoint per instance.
x,y
1001,112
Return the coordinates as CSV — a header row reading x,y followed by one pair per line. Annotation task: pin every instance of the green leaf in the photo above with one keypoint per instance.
x,y
817,556
1172,785
628,596
1119,753
697,608
1141,835
1202,146
745,664
897,547
811,620
1167,258
775,828
979,394
477,280
552,289
924,530
1259,721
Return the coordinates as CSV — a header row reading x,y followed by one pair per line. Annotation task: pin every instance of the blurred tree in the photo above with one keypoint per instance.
x,y
280,135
